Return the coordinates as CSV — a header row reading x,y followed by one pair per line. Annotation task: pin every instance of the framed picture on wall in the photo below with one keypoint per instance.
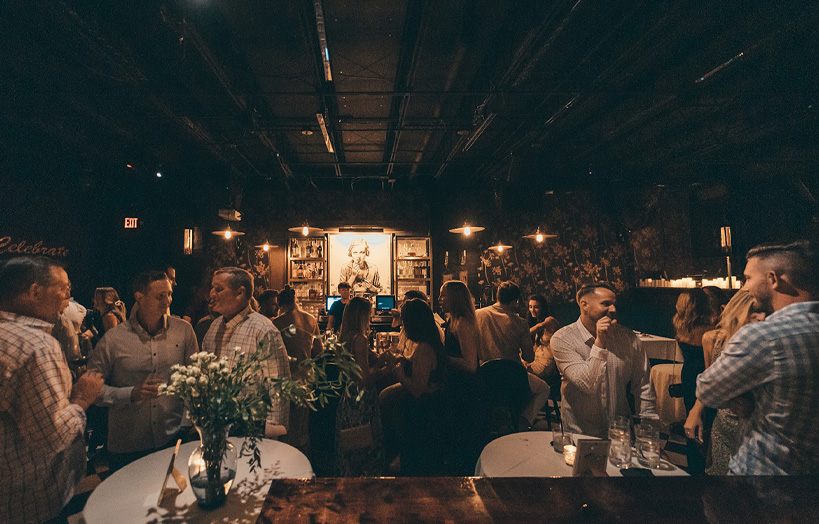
x,y
363,260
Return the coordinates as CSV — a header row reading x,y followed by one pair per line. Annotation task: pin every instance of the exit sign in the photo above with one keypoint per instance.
x,y
131,223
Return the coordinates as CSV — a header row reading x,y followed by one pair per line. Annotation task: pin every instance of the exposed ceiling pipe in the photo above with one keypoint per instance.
x,y
524,55
415,28
322,40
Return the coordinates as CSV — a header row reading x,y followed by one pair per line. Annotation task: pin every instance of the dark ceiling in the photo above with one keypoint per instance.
x,y
535,92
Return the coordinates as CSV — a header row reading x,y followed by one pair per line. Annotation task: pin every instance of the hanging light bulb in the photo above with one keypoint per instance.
x,y
539,237
266,247
305,230
499,248
466,229
228,233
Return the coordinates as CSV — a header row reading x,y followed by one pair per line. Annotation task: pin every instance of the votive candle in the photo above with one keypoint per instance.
x,y
569,452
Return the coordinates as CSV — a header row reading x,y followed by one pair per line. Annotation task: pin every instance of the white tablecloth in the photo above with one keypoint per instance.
x,y
530,454
669,409
657,347
130,494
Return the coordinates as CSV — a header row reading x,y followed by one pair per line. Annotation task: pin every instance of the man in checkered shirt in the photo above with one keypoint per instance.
x,y
240,330
42,417
769,371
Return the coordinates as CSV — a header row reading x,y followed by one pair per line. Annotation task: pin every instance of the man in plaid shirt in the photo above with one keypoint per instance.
x,y
42,417
240,330
769,371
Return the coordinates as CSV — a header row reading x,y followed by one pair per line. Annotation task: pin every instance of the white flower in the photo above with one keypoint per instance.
x,y
203,380
176,376
194,392
191,381
195,370
213,366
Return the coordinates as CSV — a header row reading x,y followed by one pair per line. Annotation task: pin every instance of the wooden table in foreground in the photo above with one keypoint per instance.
x,y
519,500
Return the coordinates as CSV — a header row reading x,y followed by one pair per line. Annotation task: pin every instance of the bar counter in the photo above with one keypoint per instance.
x,y
528,500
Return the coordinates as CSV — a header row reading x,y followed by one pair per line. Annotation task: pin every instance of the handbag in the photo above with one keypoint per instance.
x,y
675,390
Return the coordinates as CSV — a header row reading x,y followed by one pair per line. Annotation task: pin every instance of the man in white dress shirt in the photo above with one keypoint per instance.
x,y
241,330
134,358
597,358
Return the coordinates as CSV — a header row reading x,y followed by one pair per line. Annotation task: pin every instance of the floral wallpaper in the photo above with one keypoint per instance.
x,y
646,235
587,248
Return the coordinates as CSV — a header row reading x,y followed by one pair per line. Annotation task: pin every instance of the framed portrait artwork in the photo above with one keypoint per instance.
x,y
363,260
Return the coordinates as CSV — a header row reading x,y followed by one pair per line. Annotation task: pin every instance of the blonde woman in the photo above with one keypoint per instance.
x,y
723,442
109,311
359,437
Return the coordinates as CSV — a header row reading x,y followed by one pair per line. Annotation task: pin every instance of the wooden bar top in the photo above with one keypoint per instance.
x,y
532,500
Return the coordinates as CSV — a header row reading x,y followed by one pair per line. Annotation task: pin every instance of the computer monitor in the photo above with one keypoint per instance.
x,y
331,299
384,302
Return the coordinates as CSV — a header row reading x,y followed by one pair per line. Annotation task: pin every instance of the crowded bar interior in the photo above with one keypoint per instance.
x,y
459,261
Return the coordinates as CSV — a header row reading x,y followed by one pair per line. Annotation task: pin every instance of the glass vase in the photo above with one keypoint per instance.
x,y
212,467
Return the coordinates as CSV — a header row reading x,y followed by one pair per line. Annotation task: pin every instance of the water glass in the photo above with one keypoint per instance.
x,y
647,442
620,448
559,439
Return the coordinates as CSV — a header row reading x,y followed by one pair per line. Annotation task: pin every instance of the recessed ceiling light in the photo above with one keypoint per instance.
x,y
158,174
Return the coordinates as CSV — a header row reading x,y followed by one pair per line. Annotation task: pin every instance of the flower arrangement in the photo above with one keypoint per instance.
x,y
222,395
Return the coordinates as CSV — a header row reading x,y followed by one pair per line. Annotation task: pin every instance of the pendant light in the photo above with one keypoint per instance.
x,y
466,229
539,237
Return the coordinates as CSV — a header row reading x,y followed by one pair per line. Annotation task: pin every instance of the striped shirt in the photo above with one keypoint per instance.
x,y
42,452
595,379
777,361
242,334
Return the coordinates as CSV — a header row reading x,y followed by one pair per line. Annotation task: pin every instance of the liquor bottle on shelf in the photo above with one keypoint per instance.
x,y
313,273
320,249
321,270
446,258
301,271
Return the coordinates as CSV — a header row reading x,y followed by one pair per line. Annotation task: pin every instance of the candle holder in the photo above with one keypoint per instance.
x,y
569,452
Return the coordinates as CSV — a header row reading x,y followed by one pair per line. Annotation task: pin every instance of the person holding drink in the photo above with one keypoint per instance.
x,y
133,359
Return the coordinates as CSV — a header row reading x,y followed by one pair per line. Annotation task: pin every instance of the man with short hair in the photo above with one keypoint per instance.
x,y
42,418
242,330
337,309
776,364
504,334
598,358
134,358
269,303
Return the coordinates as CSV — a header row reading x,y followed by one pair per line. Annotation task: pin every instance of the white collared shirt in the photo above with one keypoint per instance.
x,y
594,379
125,356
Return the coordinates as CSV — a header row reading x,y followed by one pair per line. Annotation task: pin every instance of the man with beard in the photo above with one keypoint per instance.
x,y
598,358
769,371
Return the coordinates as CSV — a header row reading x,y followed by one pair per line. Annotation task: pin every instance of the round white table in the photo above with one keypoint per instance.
x,y
658,347
530,454
130,494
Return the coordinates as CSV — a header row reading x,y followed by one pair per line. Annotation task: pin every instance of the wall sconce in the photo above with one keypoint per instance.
x,y
187,242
